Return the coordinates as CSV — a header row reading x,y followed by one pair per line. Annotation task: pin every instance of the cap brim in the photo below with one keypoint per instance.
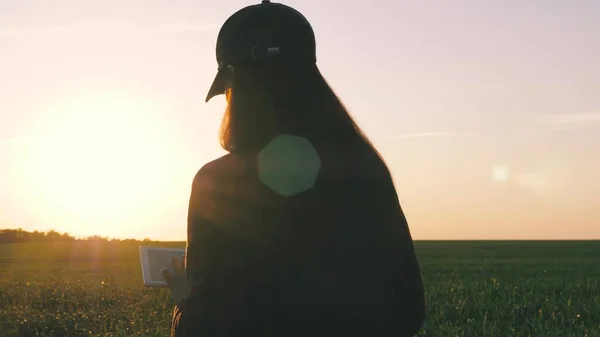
x,y
218,86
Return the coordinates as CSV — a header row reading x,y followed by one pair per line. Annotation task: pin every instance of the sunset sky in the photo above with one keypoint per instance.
x,y
487,112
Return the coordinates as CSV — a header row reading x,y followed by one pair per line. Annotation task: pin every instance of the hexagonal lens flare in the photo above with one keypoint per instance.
x,y
289,165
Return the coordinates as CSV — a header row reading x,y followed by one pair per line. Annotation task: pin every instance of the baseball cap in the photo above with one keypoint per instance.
x,y
259,34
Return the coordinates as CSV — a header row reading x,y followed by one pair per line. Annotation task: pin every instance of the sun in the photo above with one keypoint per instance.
x,y
99,154
500,173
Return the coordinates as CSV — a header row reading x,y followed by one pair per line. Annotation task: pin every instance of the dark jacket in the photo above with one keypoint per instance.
x,y
335,260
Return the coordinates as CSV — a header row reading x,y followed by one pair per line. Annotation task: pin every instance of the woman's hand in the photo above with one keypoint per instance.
x,y
176,279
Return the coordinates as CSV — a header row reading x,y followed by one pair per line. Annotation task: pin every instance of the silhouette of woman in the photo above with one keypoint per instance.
x,y
298,230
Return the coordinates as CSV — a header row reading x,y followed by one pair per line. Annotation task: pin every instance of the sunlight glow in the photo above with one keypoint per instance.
x,y
500,173
549,181
103,155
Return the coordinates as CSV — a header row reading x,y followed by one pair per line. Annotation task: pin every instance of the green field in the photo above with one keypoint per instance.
x,y
502,289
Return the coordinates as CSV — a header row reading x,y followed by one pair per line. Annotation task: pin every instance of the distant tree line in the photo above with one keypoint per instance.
x,y
20,235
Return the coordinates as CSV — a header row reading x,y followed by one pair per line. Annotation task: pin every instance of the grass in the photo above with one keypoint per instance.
x,y
503,289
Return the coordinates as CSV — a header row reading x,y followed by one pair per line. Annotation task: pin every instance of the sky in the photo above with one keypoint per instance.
x,y
487,112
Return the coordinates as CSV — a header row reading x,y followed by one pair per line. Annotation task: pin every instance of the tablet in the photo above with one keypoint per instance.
x,y
154,260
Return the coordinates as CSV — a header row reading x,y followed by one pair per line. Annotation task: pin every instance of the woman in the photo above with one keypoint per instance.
x,y
330,256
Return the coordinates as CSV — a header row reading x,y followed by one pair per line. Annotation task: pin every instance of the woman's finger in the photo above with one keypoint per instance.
x,y
175,265
167,275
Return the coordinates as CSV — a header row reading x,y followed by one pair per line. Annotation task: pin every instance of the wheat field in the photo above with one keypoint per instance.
x,y
474,288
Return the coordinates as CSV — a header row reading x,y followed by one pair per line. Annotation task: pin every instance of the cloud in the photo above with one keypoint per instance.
x,y
16,140
8,140
427,135
36,32
543,129
574,118
561,122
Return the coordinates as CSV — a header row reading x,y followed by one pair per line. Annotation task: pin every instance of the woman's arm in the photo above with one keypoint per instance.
x,y
407,312
214,211
186,315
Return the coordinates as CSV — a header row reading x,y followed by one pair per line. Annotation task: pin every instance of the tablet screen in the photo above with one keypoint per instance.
x,y
158,259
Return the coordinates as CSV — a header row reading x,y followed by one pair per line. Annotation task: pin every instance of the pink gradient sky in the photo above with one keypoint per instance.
x,y
487,112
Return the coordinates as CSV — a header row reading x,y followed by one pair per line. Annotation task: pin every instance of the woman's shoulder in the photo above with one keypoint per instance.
x,y
226,166
221,186
285,167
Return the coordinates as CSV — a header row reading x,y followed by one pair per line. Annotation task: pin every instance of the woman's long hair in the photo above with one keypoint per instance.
x,y
352,225
284,98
